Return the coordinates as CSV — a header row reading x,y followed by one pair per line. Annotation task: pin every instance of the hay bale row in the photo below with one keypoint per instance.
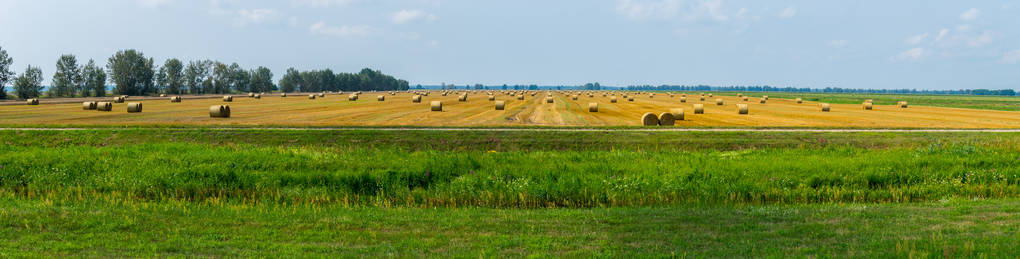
x,y
134,107
219,111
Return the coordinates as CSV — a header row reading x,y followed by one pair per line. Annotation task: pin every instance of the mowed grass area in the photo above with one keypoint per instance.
x,y
1002,103
399,111
167,192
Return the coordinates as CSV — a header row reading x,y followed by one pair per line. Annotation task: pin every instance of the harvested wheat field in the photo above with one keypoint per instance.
x,y
399,110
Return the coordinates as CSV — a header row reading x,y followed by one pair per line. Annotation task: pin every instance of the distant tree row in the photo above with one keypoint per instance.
x,y
326,80
131,73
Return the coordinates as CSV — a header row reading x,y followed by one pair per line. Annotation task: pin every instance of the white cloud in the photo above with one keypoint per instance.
x,y
942,35
789,12
648,9
970,15
254,16
917,39
321,28
980,40
913,54
837,43
404,16
320,3
153,3
433,43
1011,57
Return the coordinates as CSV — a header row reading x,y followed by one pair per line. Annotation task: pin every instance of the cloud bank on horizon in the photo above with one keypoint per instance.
x,y
860,44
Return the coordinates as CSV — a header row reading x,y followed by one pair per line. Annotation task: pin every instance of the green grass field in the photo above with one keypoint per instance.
x,y
167,192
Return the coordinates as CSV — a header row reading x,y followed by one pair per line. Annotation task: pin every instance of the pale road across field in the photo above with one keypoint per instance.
x,y
547,130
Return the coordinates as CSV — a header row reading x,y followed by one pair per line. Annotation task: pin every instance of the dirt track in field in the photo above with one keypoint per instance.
x,y
335,111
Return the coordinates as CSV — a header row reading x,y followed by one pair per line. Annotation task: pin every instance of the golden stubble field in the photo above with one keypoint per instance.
x,y
398,110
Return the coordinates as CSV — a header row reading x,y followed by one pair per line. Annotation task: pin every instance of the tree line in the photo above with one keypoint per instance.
x,y
326,80
132,73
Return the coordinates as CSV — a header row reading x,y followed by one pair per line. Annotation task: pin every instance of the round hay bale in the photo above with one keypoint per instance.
x,y
492,97
416,99
650,96
437,106
322,94
500,105
766,97
867,106
175,99
258,96
574,97
612,99
134,107
443,93
227,98
745,98
903,104
549,99
593,107
666,119
520,97
380,98
740,95
251,94
311,97
699,108
630,98
462,98
742,108
649,119
702,98
352,97
762,101
118,99
88,105
678,113
283,94
104,106
219,111
825,107
799,100
709,95
683,99
719,101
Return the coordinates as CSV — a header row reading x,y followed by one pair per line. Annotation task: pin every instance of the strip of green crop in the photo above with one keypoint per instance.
x,y
116,226
382,176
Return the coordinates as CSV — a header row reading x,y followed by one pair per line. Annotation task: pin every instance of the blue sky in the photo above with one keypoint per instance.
x,y
920,44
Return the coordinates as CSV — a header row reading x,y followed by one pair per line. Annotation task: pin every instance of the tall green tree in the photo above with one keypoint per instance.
x,y
240,79
173,76
261,80
94,79
290,81
131,72
6,73
67,79
221,78
29,83
196,76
